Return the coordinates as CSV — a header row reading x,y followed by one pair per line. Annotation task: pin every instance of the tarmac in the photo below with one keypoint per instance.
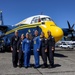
x,y
64,64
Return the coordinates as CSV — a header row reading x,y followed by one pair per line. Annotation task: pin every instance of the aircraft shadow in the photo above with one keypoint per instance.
x,y
59,55
65,49
55,54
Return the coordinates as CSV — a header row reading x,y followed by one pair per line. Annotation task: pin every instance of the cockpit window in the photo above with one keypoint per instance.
x,y
38,19
35,20
46,19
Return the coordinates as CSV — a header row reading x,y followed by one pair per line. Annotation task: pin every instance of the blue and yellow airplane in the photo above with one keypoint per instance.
x,y
37,22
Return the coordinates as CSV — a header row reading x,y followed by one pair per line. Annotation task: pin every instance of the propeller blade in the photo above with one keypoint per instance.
x,y
68,24
73,25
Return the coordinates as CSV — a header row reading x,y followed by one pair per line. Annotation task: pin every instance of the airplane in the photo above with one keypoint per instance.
x,y
37,22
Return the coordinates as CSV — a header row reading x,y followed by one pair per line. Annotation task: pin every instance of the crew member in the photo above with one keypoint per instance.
x,y
19,48
36,48
26,47
43,49
51,48
14,41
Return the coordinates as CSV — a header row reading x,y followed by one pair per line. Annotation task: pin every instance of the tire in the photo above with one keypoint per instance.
x,y
3,49
61,47
68,47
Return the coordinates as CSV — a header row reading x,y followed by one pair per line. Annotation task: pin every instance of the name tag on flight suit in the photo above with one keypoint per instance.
x,y
21,42
15,39
27,41
34,42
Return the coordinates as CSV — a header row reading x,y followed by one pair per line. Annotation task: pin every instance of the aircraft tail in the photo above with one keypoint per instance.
x,y
1,18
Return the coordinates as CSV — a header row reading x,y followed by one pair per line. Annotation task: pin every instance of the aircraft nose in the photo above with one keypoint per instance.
x,y
57,33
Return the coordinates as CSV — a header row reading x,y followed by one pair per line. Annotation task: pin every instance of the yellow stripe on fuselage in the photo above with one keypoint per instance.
x,y
22,27
56,31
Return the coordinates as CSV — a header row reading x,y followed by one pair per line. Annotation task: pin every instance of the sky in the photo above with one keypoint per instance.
x,y
60,11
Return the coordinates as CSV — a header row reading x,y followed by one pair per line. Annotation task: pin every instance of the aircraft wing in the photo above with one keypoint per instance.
x,y
3,28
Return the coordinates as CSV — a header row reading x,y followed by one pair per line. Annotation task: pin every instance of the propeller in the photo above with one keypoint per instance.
x,y
71,29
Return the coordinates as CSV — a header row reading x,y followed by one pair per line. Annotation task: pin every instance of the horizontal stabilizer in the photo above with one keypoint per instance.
x,y
3,28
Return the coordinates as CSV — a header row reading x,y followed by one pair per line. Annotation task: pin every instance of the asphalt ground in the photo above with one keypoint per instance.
x,y
64,64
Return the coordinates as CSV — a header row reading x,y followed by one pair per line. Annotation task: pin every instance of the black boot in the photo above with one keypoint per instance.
x,y
44,66
20,66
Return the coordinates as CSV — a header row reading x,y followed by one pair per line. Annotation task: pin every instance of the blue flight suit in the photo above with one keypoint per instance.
x,y
36,45
26,47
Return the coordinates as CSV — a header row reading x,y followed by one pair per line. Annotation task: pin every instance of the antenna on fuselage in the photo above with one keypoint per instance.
x,y
1,18
41,13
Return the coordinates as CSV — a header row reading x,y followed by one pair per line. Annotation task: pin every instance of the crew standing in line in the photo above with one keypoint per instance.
x,y
51,48
43,49
14,41
36,48
19,48
26,47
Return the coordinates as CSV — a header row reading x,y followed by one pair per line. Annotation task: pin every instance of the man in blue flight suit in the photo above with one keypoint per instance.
x,y
26,47
51,48
36,48
14,41
20,52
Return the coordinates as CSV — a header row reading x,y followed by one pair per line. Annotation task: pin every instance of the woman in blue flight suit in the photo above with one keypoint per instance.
x,y
19,49
36,48
26,47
